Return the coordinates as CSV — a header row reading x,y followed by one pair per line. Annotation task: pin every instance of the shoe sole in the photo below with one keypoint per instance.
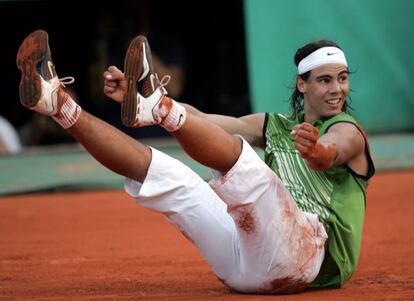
x,y
32,51
133,69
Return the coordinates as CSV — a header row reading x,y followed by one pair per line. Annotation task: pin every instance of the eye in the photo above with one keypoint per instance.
x,y
324,80
343,78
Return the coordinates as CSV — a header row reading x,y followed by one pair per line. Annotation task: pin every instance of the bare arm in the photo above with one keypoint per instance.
x,y
349,140
342,144
250,127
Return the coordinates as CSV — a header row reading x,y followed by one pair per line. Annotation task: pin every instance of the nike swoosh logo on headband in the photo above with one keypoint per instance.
x,y
331,53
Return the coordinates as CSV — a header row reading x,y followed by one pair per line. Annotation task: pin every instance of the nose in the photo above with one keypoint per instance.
x,y
335,87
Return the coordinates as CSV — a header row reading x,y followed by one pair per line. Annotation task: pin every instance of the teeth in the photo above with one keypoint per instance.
x,y
334,101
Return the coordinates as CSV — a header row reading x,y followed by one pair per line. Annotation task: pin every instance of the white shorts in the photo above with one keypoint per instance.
x,y
245,223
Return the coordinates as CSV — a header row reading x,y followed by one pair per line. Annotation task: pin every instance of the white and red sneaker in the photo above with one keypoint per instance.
x,y
40,88
145,102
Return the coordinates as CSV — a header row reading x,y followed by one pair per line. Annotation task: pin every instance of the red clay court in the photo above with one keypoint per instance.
x,y
98,245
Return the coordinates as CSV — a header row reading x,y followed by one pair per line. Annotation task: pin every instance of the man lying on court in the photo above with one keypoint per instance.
x,y
274,227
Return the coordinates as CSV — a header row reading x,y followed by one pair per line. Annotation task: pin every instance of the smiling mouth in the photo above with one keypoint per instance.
x,y
334,101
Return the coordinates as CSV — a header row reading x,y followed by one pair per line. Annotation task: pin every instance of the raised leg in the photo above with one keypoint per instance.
x,y
145,103
42,91
112,148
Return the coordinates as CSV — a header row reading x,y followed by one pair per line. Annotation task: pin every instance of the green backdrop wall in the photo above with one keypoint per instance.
x,y
376,35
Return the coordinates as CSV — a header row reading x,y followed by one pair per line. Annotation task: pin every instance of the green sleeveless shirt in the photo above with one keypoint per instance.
x,y
336,195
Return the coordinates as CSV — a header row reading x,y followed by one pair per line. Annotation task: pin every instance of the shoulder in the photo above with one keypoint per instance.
x,y
347,130
253,128
279,122
340,118
346,126
256,121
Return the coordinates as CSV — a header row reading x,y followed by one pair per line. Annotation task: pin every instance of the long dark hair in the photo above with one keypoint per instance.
x,y
296,99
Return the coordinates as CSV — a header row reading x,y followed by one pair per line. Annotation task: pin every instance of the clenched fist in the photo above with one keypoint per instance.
x,y
115,84
317,156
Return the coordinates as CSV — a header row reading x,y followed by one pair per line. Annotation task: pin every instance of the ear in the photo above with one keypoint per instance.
x,y
300,84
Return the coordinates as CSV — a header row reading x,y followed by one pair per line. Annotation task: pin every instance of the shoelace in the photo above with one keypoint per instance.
x,y
165,80
66,80
63,82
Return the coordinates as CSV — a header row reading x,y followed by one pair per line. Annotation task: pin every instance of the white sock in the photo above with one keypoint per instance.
x,y
175,118
68,114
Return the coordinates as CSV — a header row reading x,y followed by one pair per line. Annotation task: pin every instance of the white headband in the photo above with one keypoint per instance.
x,y
322,56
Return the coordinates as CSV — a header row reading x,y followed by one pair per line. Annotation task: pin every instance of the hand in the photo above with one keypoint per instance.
x,y
115,85
317,156
306,136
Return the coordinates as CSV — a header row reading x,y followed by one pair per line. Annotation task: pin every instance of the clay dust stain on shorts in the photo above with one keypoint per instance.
x,y
246,220
285,286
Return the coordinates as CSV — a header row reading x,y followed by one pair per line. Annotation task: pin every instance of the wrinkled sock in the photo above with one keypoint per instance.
x,y
175,114
69,111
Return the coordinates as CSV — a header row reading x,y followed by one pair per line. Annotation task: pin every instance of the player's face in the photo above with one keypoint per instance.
x,y
325,91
